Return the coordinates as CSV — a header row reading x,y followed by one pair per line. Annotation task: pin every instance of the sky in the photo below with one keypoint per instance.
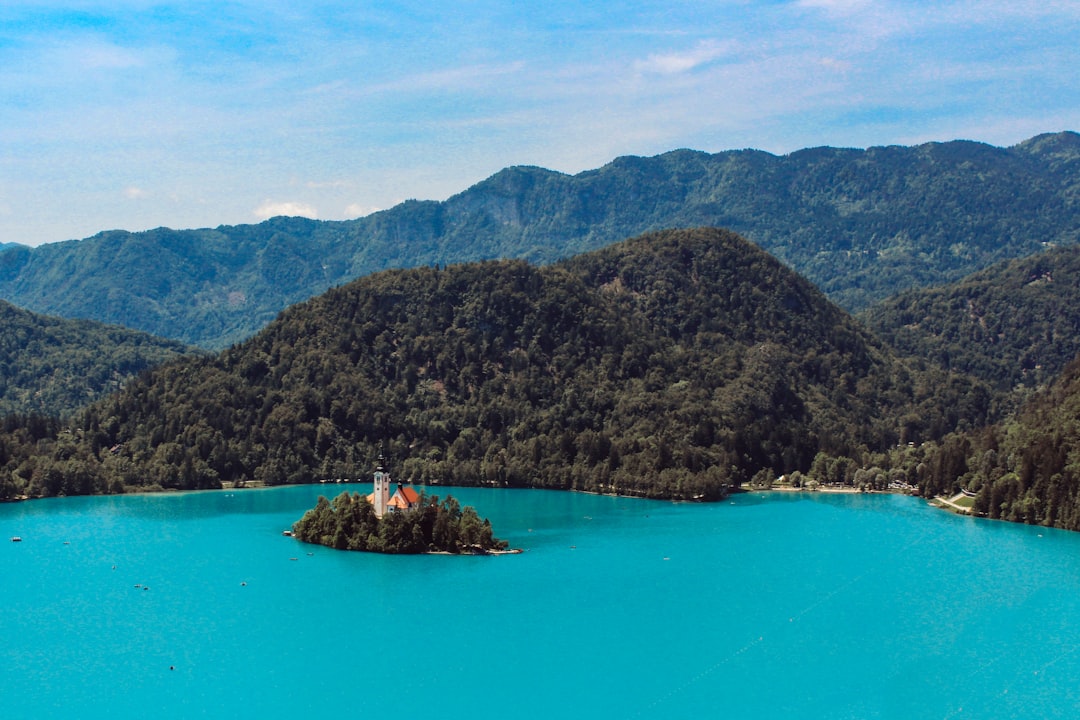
x,y
136,114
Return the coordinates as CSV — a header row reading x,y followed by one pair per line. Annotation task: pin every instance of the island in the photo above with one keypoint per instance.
x,y
407,522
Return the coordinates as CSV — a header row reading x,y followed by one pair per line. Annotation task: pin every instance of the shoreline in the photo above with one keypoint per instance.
x,y
508,551
937,503
252,485
827,489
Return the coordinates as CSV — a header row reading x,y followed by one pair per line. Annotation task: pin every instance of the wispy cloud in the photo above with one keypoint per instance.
x,y
672,63
107,56
839,7
355,210
226,107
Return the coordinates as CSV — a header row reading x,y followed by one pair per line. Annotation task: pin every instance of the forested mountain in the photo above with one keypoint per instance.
x,y
861,224
1015,325
53,366
673,365
1026,469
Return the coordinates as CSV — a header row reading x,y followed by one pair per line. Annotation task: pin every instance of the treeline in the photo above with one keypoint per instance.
x,y
33,453
1025,469
676,365
348,522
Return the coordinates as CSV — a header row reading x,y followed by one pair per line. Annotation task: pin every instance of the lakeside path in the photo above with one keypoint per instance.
x,y
950,503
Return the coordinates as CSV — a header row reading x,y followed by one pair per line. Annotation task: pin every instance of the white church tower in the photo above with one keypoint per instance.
x,y
382,490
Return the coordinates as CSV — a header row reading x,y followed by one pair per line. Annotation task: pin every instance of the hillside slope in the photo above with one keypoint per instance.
x,y
1025,469
861,224
674,365
1015,325
53,366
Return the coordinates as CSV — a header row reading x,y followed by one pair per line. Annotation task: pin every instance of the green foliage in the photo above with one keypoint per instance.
x,y
1014,325
676,365
53,366
861,224
348,522
1025,469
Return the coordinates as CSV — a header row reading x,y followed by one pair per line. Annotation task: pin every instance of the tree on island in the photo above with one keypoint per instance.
x,y
348,522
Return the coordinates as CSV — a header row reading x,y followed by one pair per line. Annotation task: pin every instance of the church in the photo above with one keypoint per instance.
x,y
402,499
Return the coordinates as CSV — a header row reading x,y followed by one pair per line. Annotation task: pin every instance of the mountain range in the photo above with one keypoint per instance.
x,y
678,364
861,224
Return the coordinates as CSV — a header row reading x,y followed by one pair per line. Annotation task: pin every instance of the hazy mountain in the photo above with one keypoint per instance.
x,y
674,365
54,366
861,224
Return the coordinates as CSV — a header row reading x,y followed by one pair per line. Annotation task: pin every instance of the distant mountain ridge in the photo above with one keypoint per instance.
x,y
861,224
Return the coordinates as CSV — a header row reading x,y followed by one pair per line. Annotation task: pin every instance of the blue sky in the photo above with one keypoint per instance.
x,y
136,114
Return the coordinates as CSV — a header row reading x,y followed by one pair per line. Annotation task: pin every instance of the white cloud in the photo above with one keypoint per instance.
x,y
170,113
680,62
831,63
270,209
356,210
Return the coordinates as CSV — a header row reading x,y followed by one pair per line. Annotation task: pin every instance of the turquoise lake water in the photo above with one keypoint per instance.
x,y
764,606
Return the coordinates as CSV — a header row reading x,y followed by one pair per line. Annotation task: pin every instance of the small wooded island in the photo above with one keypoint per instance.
x,y
405,523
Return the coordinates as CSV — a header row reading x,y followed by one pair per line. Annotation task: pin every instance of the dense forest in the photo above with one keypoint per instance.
x,y
1025,469
348,522
1015,325
53,366
861,224
677,365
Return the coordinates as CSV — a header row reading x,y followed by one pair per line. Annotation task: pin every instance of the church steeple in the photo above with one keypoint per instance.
x,y
382,489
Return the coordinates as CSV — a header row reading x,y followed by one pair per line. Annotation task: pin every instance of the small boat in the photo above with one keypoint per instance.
x,y
16,539
287,533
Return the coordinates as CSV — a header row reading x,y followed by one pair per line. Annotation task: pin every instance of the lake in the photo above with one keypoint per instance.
x,y
763,606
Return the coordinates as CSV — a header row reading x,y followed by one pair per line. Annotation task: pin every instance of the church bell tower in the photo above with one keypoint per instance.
x,y
382,489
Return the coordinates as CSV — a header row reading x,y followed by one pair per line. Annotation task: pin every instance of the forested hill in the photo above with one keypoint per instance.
x,y
53,366
861,224
1015,325
673,365
1026,469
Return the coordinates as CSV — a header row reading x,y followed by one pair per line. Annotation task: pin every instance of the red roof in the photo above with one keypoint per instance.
x,y
404,498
